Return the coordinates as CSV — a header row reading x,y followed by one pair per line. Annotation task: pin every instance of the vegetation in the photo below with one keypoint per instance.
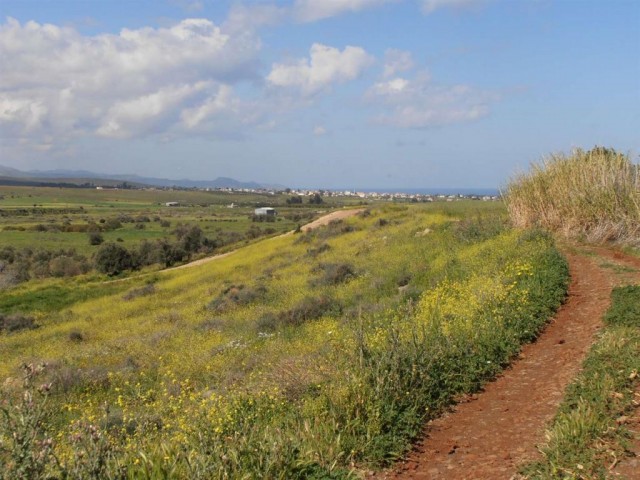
x,y
303,356
58,232
589,195
589,434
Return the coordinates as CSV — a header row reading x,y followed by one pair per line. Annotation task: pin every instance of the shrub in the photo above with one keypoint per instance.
x,y
592,196
314,252
237,295
76,336
479,228
112,224
65,266
309,308
334,274
112,259
16,322
95,238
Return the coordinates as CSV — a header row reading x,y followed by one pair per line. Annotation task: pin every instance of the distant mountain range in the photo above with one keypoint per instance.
x,y
83,176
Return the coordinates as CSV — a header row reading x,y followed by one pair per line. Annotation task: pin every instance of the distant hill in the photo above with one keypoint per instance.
x,y
15,176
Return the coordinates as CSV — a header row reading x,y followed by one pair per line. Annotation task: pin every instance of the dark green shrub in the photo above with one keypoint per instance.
x,y
112,259
95,238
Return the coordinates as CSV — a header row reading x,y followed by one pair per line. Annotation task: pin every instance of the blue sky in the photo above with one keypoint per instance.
x,y
317,93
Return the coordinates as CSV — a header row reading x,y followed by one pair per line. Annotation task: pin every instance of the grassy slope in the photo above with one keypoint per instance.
x,y
303,373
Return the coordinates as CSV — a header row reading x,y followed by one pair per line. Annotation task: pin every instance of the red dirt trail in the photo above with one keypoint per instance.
x,y
492,433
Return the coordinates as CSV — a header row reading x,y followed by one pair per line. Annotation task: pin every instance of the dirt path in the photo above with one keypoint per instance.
x,y
492,433
324,220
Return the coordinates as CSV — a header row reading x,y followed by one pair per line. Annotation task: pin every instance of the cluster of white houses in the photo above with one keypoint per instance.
x,y
413,197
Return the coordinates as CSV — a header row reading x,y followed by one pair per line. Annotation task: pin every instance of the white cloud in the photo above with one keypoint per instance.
x,y
396,61
319,130
324,67
56,82
418,103
250,17
220,103
312,10
430,6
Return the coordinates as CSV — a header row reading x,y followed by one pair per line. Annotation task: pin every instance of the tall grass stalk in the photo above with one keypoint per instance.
x,y
592,196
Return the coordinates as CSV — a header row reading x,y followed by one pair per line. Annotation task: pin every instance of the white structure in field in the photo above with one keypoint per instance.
x,y
266,211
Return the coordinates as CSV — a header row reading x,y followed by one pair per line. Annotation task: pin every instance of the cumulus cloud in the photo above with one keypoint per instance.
x,y
325,67
396,61
313,10
419,103
57,82
430,6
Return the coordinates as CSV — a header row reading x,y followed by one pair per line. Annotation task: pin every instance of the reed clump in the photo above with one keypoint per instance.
x,y
592,196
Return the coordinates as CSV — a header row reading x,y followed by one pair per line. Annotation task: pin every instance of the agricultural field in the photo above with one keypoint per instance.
x,y
309,355
54,218
57,232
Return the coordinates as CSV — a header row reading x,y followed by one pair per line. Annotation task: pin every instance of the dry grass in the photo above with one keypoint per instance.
x,y
593,196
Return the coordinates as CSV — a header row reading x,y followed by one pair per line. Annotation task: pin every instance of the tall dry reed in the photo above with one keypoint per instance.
x,y
593,196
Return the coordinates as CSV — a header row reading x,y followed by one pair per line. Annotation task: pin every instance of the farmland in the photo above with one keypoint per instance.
x,y
314,354
66,232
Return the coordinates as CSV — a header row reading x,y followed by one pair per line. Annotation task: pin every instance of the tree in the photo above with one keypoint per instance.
x,y
316,198
112,259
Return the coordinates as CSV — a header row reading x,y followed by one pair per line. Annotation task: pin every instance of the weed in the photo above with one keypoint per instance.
x,y
589,195
16,322
334,274
148,289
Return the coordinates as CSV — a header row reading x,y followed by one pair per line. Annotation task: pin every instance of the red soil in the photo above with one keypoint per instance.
x,y
492,433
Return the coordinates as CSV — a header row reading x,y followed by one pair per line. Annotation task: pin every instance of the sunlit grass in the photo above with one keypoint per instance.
x,y
315,374
589,195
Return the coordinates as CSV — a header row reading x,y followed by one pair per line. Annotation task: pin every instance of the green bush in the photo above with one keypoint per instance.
x,y
112,259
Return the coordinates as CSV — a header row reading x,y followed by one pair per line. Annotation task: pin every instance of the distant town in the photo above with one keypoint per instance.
x,y
372,195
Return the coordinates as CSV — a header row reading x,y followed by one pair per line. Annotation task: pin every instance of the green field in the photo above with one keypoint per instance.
x,y
25,210
303,356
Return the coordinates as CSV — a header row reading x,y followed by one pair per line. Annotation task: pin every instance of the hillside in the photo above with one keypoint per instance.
x,y
304,354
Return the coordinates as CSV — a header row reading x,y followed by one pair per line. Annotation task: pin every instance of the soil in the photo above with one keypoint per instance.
x,y
490,434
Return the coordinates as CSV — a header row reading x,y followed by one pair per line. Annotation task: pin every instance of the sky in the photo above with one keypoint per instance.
x,y
317,93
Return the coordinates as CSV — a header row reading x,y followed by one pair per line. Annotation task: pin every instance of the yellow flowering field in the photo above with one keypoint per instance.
x,y
309,355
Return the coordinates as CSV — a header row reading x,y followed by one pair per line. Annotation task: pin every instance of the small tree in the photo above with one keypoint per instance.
x,y
316,199
112,259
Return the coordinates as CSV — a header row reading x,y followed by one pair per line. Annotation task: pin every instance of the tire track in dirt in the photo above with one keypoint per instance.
x,y
492,433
